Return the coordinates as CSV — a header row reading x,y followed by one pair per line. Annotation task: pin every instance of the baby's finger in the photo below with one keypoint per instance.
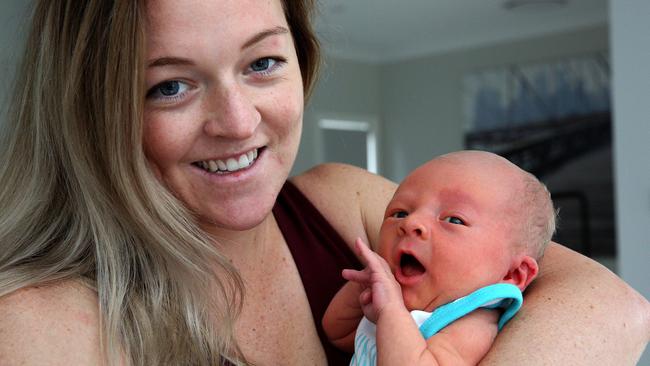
x,y
370,256
372,259
358,248
356,276
363,250
365,297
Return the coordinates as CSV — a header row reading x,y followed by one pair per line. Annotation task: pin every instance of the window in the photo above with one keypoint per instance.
x,y
350,142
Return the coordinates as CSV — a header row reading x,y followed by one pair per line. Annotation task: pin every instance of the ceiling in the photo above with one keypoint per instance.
x,y
380,31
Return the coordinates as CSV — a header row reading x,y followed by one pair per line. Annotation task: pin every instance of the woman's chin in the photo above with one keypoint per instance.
x,y
232,222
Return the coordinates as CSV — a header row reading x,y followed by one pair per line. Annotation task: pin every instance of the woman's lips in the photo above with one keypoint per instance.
x,y
230,165
235,176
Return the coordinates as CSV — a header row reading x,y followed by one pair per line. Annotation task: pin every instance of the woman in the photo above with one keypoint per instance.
x,y
146,149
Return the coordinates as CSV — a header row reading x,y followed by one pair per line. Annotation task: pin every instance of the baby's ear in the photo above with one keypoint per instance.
x,y
522,272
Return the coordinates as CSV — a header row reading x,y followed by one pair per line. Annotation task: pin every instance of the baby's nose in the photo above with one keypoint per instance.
x,y
414,225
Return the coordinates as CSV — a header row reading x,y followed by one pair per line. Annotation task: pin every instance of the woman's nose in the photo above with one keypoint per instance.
x,y
231,113
414,225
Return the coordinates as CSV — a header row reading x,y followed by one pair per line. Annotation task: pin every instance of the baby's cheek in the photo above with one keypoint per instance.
x,y
385,239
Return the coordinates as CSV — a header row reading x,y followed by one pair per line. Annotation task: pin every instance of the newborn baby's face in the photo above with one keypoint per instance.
x,y
446,230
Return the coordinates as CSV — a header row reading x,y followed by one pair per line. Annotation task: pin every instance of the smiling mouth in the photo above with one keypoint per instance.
x,y
230,165
410,266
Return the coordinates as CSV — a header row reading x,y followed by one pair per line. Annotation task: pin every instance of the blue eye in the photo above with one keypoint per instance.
x,y
172,89
262,64
169,88
265,65
400,214
454,220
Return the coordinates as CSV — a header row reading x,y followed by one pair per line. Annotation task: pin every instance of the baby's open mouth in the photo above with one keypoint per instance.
x,y
410,266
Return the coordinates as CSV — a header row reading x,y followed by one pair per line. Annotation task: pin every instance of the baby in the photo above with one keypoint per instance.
x,y
460,241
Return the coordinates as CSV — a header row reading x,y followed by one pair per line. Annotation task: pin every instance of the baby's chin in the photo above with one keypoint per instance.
x,y
414,302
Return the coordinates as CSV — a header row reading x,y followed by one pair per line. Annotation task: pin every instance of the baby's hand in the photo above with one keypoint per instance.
x,y
380,289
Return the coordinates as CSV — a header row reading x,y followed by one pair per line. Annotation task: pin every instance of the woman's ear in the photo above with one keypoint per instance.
x,y
522,272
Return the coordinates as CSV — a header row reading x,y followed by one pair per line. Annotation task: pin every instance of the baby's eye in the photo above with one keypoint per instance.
x,y
454,220
399,214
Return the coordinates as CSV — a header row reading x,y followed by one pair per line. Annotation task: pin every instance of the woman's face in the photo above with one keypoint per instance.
x,y
223,112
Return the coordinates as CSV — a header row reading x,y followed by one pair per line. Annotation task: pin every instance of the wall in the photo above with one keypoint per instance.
x,y
418,102
421,99
631,57
13,20
346,90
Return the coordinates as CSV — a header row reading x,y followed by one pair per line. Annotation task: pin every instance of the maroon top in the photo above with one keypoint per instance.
x,y
319,253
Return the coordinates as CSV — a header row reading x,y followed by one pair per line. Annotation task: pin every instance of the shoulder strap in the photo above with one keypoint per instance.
x,y
320,254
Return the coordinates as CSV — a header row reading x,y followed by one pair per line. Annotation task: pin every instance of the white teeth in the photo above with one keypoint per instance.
x,y
213,166
231,164
243,161
222,165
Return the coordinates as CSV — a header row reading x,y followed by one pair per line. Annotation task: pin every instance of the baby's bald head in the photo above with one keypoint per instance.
x,y
528,203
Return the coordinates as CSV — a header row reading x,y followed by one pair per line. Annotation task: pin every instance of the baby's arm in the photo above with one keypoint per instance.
x,y
342,317
465,341
399,341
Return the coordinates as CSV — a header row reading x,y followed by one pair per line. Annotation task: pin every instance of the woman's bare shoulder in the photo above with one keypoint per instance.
x,y
352,199
50,324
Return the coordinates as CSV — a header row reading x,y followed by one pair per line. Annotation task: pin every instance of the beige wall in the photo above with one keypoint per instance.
x,y
418,102
421,99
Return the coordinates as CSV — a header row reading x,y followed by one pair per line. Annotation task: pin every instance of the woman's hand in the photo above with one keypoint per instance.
x,y
380,290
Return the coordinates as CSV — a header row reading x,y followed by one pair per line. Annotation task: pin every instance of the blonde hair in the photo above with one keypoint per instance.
x,y
538,215
78,201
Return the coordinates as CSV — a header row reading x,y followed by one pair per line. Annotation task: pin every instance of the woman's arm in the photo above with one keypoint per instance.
x,y
54,324
352,199
576,313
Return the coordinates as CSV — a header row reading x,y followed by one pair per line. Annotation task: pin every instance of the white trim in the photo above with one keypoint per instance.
x,y
334,124
371,152
367,125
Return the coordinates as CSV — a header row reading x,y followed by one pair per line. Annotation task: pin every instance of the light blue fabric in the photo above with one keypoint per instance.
x,y
494,296
500,295
365,344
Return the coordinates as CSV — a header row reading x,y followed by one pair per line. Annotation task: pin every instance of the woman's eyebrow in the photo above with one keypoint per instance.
x,y
263,34
164,61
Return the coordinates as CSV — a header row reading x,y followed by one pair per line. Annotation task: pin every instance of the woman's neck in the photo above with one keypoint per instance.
x,y
243,246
